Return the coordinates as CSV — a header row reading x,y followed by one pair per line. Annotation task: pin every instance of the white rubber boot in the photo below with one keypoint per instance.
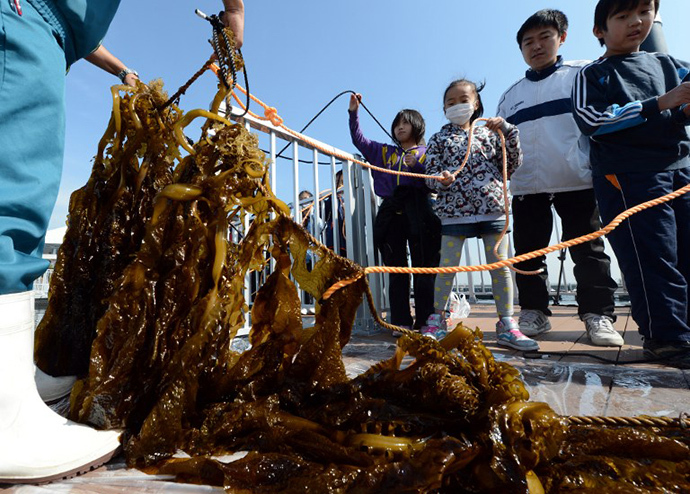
x,y
36,444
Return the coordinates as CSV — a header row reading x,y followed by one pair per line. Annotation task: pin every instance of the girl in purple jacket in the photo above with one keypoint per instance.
x,y
405,218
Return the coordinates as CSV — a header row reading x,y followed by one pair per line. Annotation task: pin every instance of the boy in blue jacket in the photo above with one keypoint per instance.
x,y
633,106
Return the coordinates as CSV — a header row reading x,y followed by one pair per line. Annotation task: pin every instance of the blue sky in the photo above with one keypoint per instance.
x,y
397,53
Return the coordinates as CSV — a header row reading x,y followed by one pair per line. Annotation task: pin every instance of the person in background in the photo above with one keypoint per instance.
x,y
39,41
405,218
472,204
306,206
338,225
306,209
555,172
635,106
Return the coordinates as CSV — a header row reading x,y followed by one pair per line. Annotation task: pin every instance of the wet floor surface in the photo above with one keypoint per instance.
x,y
570,384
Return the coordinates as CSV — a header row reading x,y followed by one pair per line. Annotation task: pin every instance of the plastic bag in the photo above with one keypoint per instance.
x,y
458,305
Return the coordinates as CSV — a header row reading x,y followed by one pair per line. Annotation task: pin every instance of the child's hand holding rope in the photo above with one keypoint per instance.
x,y
447,178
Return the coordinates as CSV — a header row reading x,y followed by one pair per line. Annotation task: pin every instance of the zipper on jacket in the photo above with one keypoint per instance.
x,y
17,7
402,157
400,163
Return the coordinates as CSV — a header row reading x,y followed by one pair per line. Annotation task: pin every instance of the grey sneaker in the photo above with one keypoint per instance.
x,y
533,322
600,330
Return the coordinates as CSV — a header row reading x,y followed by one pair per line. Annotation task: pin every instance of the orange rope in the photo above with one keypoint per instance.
x,y
524,257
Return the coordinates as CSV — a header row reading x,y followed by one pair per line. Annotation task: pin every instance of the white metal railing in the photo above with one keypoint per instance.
x,y
358,202
41,284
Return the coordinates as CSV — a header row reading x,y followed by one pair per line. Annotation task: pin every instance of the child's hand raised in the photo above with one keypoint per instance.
x,y
354,101
447,178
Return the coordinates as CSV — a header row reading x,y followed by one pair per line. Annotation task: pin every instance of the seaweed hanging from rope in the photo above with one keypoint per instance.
x,y
437,416
105,225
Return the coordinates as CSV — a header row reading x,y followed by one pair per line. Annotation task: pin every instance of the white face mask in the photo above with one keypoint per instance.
x,y
459,114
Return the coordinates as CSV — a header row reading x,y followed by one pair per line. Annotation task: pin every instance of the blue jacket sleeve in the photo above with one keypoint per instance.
x,y
595,115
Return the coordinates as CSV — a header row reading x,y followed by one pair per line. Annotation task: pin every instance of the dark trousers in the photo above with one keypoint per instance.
x,y
653,249
532,226
424,252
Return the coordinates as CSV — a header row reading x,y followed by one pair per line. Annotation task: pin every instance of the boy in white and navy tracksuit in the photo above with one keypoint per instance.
x,y
555,171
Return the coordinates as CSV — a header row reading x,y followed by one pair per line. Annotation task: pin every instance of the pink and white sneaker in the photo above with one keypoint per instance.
x,y
435,327
508,334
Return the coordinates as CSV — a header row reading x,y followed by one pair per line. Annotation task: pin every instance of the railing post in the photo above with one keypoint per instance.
x,y
370,208
349,204
480,260
470,278
316,204
335,203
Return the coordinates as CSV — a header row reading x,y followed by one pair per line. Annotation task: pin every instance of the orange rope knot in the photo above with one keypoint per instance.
x,y
271,113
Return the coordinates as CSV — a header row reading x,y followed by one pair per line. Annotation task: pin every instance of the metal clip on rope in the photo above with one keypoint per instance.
x,y
228,61
224,62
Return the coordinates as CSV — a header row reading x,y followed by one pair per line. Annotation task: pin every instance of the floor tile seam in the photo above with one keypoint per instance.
x,y
609,393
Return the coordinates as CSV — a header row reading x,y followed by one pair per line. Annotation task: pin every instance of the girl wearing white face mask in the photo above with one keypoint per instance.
x,y
472,204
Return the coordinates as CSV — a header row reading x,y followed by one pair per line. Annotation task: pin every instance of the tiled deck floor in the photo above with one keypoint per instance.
x,y
575,384
571,385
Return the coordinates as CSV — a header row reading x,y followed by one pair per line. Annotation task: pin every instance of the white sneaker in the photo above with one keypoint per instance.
x,y
600,330
508,334
533,322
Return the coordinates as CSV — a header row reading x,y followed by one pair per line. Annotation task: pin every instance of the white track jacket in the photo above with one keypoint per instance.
x,y
555,153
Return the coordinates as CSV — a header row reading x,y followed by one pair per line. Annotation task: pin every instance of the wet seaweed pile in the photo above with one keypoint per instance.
x,y
149,290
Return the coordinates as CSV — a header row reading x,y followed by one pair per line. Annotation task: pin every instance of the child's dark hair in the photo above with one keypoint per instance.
x,y
608,8
544,18
415,119
477,89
